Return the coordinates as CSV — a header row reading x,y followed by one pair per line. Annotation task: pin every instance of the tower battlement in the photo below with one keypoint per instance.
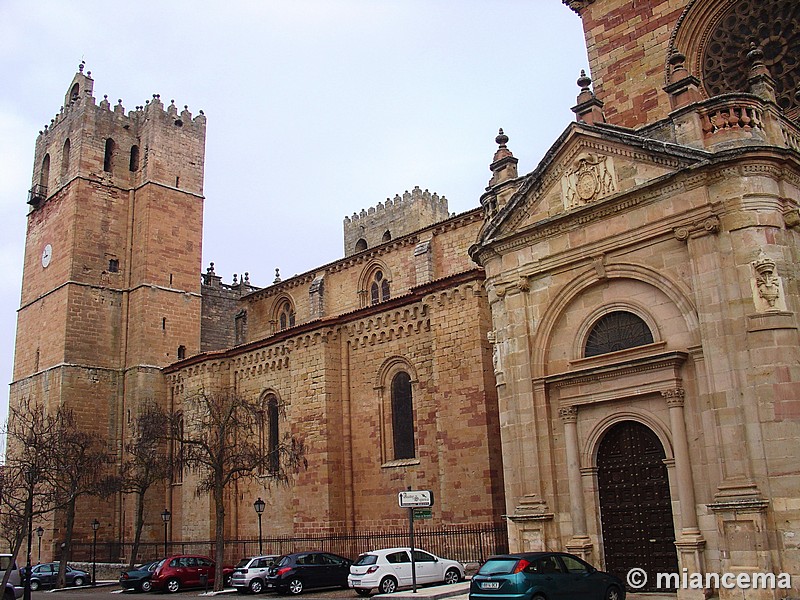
x,y
393,218
149,143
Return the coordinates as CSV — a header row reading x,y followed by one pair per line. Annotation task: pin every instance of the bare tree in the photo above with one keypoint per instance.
x,y
78,468
32,435
146,463
219,438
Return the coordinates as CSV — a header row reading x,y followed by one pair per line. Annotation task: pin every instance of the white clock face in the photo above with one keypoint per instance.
x,y
47,254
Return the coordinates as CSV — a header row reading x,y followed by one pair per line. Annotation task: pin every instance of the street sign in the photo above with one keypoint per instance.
x,y
422,513
415,498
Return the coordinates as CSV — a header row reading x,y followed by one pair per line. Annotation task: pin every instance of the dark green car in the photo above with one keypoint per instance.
x,y
543,576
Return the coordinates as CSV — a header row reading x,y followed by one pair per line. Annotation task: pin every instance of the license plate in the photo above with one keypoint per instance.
x,y
356,582
490,585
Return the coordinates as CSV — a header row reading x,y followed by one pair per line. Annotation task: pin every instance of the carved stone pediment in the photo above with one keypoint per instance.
x,y
590,178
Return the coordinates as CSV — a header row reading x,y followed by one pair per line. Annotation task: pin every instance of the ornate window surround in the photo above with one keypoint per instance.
x,y
383,388
593,317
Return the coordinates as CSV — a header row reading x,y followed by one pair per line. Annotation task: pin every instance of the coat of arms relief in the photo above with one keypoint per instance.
x,y
590,178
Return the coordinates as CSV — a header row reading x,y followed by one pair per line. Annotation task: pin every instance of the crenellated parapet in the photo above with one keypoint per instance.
x,y
393,218
102,142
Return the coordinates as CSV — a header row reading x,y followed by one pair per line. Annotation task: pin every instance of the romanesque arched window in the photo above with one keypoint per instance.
x,y
177,451
109,155
379,288
44,176
361,245
402,417
615,331
387,236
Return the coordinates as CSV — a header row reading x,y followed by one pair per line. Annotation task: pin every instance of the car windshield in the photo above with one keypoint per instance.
x,y
243,563
498,566
366,559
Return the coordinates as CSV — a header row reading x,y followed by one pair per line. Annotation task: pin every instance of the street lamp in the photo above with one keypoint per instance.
x,y
259,506
165,516
40,533
95,527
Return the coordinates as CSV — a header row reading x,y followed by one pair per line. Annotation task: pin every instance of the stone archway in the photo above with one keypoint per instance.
x,y
635,503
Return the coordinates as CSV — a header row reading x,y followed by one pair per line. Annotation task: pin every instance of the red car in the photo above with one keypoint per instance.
x,y
186,571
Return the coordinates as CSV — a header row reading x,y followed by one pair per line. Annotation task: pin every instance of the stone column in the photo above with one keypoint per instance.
x,y
580,543
690,542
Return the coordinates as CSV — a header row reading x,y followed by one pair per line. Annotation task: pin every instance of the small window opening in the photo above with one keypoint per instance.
x,y
361,245
113,265
181,352
387,236
44,177
65,159
134,163
107,159
170,280
129,415
164,323
73,94
177,181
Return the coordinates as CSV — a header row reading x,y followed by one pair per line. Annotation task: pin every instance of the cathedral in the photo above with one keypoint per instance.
x,y
603,355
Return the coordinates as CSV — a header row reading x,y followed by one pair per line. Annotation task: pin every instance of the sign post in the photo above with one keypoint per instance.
x,y
412,499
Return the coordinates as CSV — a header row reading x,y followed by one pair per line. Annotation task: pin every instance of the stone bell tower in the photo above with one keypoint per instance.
x,y
111,286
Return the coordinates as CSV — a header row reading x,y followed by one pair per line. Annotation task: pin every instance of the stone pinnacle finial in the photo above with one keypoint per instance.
x,y
81,66
755,56
277,276
584,81
501,139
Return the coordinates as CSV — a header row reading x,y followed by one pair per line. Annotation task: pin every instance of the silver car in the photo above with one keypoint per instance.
x,y
14,586
250,574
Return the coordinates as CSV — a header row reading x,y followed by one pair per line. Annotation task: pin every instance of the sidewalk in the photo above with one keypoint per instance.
x,y
460,591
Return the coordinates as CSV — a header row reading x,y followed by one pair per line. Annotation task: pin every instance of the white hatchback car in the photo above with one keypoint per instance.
x,y
390,569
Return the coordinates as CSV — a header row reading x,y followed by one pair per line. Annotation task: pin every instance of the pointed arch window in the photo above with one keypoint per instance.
x,y
402,417
73,94
109,155
269,432
379,288
44,176
616,331
387,236
286,315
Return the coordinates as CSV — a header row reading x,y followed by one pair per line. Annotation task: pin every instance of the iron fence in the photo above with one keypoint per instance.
x,y
465,543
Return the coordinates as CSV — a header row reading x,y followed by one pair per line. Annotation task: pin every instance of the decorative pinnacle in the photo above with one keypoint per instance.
x,y
80,66
277,276
756,55
584,81
501,139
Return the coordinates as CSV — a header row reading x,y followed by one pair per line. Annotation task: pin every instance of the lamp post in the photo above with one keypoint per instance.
x,y
165,516
95,527
259,506
40,533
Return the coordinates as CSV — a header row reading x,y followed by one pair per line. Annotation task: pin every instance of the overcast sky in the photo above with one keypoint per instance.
x,y
316,108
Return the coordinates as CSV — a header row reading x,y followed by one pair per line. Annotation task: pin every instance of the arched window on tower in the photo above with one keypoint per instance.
x,y
44,176
402,417
387,236
109,155
361,245
615,331
65,159
73,93
379,288
134,163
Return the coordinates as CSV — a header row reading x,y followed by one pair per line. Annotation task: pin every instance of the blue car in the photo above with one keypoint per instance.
x,y
543,576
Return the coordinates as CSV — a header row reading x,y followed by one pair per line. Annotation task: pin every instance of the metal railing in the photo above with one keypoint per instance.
x,y
465,543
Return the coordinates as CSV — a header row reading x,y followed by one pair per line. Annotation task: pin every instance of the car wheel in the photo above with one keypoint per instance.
x,y
613,593
295,587
78,582
34,585
226,580
173,585
538,597
452,576
363,591
388,585
256,586
146,586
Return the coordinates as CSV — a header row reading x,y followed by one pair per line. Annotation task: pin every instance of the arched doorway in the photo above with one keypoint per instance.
x,y
635,505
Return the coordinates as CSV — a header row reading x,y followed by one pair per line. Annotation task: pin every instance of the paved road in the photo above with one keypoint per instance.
x,y
114,592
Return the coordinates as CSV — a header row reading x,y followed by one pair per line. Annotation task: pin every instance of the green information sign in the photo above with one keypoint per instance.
x,y
422,513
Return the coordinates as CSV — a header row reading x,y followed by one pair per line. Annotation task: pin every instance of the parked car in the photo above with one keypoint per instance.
x,y
185,571
540,575
390,568
46,575
251,573
138,578
296,572
14,588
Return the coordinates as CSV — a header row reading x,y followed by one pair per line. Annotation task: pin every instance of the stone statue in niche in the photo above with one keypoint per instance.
x,y
767,289
590,178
